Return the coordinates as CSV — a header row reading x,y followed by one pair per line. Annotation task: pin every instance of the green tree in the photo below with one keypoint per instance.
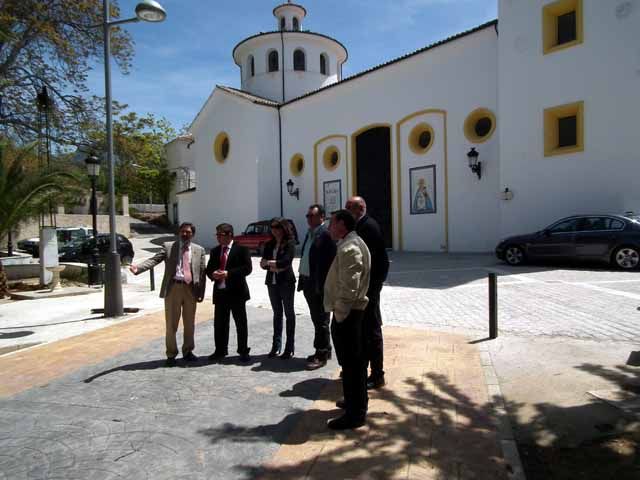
x,y
53,43
26,190
138,143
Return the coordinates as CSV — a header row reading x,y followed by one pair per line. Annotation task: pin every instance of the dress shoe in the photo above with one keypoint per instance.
x,y
215,356
286,355
340,404
376,382
190,357
317,362
245,357
345,423
273,353
170,362
310,358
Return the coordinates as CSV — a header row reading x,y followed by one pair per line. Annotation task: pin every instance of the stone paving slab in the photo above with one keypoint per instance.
x,y
434,419
102,406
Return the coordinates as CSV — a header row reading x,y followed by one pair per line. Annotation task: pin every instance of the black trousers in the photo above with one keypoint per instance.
x,y
320,318
373,332
223,308
348,340
281,297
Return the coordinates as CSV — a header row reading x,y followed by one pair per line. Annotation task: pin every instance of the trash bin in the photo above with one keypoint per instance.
x,y
94,274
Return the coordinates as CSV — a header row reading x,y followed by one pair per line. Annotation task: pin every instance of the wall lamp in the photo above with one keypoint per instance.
x,y
292,192
474,164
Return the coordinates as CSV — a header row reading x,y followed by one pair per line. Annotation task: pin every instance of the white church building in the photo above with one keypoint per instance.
x,y
547,96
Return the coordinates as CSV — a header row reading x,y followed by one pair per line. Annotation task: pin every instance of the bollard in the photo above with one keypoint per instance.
x,y
493,305
152,278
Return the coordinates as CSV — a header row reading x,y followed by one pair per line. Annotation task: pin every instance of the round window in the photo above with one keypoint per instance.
x,y
221,147
421,138
479,125
331,158
296,165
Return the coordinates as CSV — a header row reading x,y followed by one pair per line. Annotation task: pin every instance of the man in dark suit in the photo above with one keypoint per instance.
x,y
369,230
229,265
183,285
318,251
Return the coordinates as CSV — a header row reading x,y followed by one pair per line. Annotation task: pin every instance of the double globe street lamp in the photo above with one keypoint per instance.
x,y
146,11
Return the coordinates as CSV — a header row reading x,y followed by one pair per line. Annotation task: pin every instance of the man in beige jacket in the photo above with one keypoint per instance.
x,y
345,294
183,285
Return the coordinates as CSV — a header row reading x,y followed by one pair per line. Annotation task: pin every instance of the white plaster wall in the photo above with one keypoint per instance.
x,y
458,77
424,232
244,188
325,175
604,72
269,84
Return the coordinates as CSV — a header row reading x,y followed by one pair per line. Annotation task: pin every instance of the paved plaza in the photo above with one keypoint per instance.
x,y
87,397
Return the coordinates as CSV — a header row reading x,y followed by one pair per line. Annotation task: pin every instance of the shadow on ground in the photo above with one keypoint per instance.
x,y
429,428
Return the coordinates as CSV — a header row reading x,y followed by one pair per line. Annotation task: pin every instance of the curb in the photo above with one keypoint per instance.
x,y
507,441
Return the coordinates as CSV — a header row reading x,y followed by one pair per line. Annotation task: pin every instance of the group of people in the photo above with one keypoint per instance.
x,y
341,271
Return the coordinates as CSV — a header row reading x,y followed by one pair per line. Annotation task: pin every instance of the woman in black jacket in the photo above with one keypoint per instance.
x,y
276,259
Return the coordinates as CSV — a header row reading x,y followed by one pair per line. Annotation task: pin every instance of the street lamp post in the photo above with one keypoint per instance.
x,y
93,170
148,11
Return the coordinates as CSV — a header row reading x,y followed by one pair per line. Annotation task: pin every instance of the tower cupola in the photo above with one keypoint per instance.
x,y
289,16
288,62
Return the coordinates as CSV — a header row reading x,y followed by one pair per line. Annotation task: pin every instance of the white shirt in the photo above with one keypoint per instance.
x,y
223,283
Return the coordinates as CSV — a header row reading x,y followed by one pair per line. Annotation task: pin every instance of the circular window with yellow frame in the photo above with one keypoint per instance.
x,y
421,138
221,147
296,165
479,125
331,158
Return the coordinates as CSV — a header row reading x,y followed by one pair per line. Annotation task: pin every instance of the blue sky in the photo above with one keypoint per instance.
x,y
178,62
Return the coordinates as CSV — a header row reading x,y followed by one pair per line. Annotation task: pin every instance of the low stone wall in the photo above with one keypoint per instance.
x,y
32,228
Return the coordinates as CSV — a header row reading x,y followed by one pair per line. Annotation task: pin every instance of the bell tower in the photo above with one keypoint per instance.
x,y
288,62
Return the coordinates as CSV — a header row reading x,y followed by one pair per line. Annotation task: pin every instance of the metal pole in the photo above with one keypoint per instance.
x,y
493,306
152,278
113,282
95,274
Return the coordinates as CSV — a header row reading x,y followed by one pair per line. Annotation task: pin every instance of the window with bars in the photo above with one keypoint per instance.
x,y
273,61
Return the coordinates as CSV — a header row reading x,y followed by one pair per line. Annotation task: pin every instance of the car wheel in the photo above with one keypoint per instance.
x,y
514,255
626,258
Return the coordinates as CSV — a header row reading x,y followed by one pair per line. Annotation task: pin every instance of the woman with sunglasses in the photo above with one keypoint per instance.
x,y
277,256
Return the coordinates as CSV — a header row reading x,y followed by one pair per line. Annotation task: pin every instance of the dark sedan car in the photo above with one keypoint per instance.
x,y
614,239
82,251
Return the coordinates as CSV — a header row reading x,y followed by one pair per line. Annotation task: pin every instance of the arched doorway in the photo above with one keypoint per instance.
x,y
372,155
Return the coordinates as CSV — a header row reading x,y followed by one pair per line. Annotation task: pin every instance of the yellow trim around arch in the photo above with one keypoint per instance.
x,y
354,162
315,162
399,173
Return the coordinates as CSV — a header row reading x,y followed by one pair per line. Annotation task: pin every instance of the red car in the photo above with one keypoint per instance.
x,y
258,233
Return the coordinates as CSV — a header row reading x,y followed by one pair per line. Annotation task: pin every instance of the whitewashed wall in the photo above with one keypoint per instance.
x,y
604,72
244,188
437,79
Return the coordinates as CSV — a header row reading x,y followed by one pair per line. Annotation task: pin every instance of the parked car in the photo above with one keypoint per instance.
x,y
65,235
614,239
258,233
82,251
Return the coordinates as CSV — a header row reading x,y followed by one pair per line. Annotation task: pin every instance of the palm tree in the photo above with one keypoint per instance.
x,y
24,192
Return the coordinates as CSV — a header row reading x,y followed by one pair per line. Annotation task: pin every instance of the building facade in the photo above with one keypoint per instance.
x,y
546,97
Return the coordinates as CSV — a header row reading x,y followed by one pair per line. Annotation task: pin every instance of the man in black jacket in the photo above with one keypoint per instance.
x,y
229,265
318,250
369,230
